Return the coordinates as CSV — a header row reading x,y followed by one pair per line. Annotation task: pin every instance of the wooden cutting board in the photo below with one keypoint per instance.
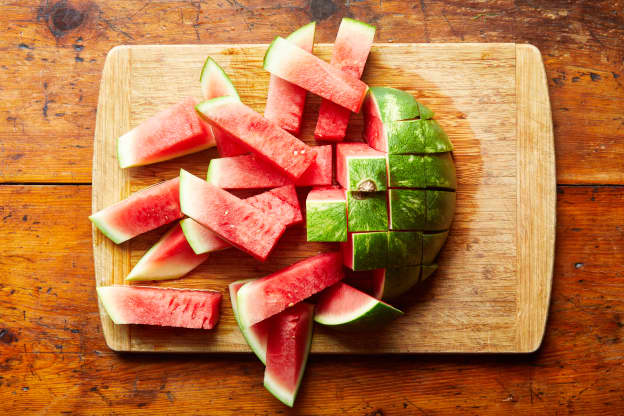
x,y
492,290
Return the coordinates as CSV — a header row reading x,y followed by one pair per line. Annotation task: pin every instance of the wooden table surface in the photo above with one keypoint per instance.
x,y
53,358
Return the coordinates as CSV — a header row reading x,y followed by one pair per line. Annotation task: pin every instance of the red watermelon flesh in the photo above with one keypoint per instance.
x,y
374,131
288,348
239,223
272,144
161,306
174,132
170,258
285,101
370,282
141,212
263,298
301,68
250,172
351,49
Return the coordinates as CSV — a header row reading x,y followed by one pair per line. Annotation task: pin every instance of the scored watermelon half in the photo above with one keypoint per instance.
x,y
263,298
351,49
346,308
175,131
239,223
288,348
170,258
293,64
161,306
255,335
249,172
141,212
275,146
285,101
279,202
215,83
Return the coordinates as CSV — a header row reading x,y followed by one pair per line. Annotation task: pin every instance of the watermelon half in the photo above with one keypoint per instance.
x,y
249,172
215,83
141,212
276,146
173,132
351,48
293,64
288,348
360,167
239,223
262,298
326,215
255,335
170,258
161,306
346,308
285,101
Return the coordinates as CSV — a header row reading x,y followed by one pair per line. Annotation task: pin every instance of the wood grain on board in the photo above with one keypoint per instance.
x,y
480,300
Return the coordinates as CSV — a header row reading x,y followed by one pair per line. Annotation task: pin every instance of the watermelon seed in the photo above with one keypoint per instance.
x,y
367,186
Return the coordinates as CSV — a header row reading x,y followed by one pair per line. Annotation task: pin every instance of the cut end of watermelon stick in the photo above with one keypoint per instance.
x,y
170,258
255,335
215,82
288,348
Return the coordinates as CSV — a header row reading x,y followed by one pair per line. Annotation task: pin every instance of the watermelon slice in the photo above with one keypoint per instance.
x,y
326,215
360,168
293,64
285,101
249,172
141,212
215,83
282,203
367,211
159,306
255,335
366,251
174,132
274,145
288,348
407,209
170,258
370,282
239,223
351,48
346,308
440,209
263,298
405,248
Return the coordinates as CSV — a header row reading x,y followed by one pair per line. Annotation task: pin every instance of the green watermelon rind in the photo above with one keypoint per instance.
x,y
406,171
440,209
364,169
432,244
399,281
405,248
188,228
115,236
283,396
427,271
370,250
211,66
407,209
359,24
326,221
367,211
394,104
103,294
439,171
257,349
302,32
372,315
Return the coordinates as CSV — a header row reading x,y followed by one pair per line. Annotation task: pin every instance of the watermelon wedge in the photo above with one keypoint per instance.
x,y
285,101
351,49
170,258
293,64
345,308
173,132
263,298
288,348
250,172
366,251
360,168
161,306
370,282
274,145
255,335
387,284
141,212
282,203
239,223
215,83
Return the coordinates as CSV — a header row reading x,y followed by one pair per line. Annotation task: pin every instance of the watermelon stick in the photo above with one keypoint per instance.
x,y
351,49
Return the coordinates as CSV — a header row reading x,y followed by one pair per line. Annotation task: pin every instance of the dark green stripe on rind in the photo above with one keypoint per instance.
x,y
367,174
407,209
367,211
377,316
399,281
370,250
436,140
440,209
405,248
267,54
406,171
432,244
439,171
326,221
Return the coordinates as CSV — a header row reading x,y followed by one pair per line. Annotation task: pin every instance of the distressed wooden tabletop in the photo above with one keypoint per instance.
x,y
53,358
